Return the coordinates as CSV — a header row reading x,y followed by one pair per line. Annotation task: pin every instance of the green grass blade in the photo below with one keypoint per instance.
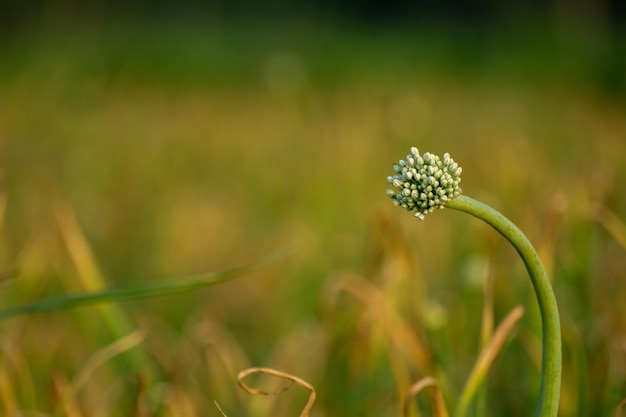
x,y
154,289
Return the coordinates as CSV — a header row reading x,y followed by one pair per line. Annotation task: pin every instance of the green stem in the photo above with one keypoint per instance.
x,y
550,384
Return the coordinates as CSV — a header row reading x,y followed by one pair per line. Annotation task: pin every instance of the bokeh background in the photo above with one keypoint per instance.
x,y
152,140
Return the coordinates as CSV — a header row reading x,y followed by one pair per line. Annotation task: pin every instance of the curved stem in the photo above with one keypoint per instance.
x,y
550,385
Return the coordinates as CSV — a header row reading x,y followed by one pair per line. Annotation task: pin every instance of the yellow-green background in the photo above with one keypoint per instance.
x,y
182,147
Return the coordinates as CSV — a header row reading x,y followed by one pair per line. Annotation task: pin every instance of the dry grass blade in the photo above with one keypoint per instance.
x,y
3,207
67,400
612,223
575,389
487,357
18,372
3,201
78,248
219,408
68,392
395,327
105,354
93,281
486,332
7,394
404,343
282,375
620,406
439,406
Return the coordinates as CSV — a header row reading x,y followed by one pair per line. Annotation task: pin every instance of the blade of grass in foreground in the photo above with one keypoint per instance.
x,y
154,289
475,381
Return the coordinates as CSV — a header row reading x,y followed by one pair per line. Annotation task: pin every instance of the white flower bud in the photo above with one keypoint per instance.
x,y
424,183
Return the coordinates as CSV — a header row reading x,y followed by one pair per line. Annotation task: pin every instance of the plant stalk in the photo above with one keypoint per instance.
x,y
550,384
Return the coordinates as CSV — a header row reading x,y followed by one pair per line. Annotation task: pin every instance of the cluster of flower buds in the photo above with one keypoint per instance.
x,y
424,182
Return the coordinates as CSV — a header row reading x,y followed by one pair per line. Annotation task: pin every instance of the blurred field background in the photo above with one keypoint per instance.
x,y
150,141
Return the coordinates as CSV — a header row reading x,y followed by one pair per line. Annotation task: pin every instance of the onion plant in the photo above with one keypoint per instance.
x,y
425,182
